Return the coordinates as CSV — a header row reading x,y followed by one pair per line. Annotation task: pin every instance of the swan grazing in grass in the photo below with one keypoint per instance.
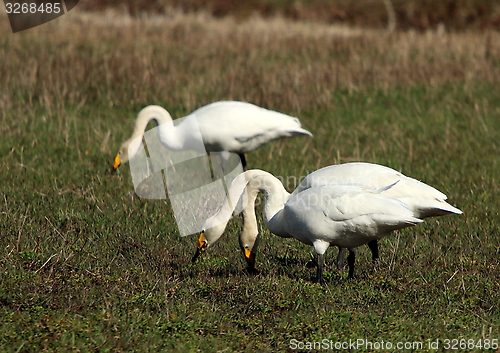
x,y
346,216
226,126
422,199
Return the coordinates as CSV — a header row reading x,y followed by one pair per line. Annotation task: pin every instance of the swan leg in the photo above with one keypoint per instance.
x,y
351,259
340,259
373,245
243,161
320,246
218,170
319,272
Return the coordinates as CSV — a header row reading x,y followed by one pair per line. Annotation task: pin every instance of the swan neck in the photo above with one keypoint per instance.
x,y
274,193
250,229
247,186
152,112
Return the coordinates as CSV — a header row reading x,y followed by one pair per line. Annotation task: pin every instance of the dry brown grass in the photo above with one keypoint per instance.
x,y
417,14
189,60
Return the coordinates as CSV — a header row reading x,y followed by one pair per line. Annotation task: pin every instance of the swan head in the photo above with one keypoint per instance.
x,y
122,156
247,243
202,246
208,237
249,255
249,239
127,150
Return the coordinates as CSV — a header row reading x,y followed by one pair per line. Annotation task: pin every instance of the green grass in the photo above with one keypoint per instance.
x,y
88,266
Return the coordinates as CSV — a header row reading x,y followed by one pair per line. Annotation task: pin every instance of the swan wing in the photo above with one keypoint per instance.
x,y
242,127
345,215
424,200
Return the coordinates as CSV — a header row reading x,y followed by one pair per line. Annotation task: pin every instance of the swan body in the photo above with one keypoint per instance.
x,y
346,216
225,126
422,199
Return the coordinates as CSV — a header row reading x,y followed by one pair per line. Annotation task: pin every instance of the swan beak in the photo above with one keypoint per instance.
x,y
117,162
250,257
202,245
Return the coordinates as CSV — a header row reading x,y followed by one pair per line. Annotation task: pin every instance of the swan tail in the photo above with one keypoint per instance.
x,y
438,208
302,132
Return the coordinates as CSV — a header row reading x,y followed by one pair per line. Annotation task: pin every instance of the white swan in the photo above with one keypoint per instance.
x,y
226,126
422,199
346,216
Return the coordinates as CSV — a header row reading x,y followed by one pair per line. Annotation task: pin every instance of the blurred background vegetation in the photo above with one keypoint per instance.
x,y
395,14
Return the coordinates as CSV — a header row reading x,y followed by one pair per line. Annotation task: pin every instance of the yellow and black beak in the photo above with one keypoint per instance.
x,y
202,245
250,257
117,162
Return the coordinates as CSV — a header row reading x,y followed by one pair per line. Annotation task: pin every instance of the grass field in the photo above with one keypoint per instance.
x,y
88,266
